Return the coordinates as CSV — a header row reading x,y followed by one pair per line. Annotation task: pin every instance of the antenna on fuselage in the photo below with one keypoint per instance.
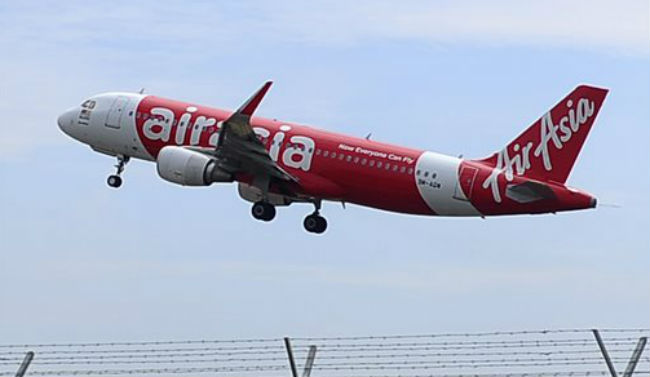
x,y
141,91
368,136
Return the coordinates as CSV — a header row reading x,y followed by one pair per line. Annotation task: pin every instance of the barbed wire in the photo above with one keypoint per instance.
x,y
476,334
533,374
271,340
267,369
333,348
340,357
572,352
82,355
353,367
140,343
213,370
518,343
225,350
89,372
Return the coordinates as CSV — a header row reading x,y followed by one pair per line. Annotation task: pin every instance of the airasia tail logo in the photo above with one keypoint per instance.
x,y
160,127
558,134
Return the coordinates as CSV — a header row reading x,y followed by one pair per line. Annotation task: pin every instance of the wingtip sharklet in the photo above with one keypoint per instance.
x,y
249,107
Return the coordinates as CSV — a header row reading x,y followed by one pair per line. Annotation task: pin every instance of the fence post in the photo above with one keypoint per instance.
x,y
311,356
29,356
636,355
603,350
292,362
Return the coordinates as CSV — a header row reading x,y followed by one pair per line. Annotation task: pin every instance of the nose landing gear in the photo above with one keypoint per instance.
x,y
115,180
315,223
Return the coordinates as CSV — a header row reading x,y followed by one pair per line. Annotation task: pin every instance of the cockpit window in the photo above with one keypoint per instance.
x,y
89,104
85,114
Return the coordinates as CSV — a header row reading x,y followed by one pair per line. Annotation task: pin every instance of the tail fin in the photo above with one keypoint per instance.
x,y
548,149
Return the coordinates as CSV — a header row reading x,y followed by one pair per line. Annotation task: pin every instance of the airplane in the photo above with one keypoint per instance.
x,y
277,163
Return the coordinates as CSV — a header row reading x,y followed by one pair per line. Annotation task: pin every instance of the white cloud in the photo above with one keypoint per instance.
x,y
600,25
597,24
49,59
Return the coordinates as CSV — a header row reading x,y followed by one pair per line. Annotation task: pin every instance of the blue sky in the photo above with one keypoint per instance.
x,y
80,261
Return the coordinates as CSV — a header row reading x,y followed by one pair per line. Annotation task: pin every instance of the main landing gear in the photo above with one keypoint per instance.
x,y
313,223
264,211
115,180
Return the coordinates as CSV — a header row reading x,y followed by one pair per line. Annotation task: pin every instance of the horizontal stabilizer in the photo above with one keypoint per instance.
x,y
529,191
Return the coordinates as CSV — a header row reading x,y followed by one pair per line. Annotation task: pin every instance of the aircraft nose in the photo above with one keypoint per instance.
x,y
65,121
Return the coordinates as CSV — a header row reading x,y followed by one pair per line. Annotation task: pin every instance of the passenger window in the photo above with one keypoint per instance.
x,y
402,169
372,163
356,160
348,158
395,167
379,164
333,154
317,152
410,171
325,153
341,156
387,166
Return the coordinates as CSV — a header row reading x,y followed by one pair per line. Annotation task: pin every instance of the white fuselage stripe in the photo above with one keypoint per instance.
x,y
437,181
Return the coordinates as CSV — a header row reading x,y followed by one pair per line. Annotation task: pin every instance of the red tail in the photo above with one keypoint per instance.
x,y
548,149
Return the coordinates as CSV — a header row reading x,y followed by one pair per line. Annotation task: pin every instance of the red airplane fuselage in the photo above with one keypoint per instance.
x,y
527,176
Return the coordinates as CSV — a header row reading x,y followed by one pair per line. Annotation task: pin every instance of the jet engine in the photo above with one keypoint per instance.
x,y
189,168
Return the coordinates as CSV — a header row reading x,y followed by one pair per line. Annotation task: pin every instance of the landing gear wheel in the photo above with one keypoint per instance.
x,y
315,224
114,181
263,211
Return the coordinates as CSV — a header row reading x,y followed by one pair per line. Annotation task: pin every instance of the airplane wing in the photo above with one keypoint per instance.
x,y
238,148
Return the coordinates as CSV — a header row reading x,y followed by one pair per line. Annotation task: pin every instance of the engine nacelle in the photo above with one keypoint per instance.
x,y
189,168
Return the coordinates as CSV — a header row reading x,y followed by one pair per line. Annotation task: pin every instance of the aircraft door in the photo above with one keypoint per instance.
x,y
115,113
465,183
